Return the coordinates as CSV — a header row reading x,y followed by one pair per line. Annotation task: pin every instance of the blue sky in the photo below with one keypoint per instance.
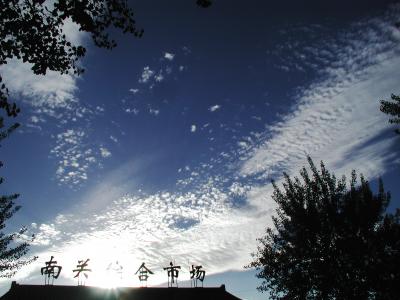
x,y
165,147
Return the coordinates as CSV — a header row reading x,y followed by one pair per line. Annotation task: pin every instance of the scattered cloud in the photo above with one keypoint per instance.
x,y
214,107
193,128
147,74
73,159
134,91
220,207
159,77
154,111
100,109
75,156
169,56
50,94
105,152
336,118
132,110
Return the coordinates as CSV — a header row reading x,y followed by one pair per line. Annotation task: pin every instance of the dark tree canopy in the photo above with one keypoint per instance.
x,y
392,108
330,241
33,32
204,3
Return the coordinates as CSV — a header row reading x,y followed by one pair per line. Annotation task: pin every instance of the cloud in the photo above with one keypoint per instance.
x,y
169,56
52,99
220,207
50,94
159,77
134,91
74,160
146,75
132,110
75,157
193,128
152,77
337,118
46,94
214,107
105,152
156,228
154,111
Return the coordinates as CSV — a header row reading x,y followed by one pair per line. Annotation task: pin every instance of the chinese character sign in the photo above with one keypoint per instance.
x,y
143,272
51,270
197,274
173,273
81,268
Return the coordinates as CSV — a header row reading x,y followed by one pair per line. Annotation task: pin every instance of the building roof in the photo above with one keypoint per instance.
x,y
64,292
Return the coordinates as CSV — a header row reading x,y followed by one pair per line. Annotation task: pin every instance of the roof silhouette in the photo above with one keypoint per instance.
x,y
64,292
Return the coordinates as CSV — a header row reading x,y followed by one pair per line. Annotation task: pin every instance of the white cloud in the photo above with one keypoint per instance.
x,y
335,118
75,156
169,56
243,145
154,111
214,107
167,226
100,109
34,119
73,161
132,110
146,75
193,128
47,93
134,91
105,152
159,77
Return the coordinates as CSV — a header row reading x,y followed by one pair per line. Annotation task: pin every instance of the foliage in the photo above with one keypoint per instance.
x,y
33,32
11,251
330,241
392,108
204,3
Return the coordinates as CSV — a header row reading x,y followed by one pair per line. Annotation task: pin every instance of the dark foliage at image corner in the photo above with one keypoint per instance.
x,y
392,108
330,241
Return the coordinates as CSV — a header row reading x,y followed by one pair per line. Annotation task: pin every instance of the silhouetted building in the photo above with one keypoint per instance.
x,y
63,292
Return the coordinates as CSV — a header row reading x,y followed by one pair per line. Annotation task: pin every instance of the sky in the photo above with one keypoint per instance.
x,y
165,148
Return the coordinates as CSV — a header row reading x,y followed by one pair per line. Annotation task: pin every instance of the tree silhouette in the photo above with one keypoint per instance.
x,y
392,109
330,241
11,248
33,32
